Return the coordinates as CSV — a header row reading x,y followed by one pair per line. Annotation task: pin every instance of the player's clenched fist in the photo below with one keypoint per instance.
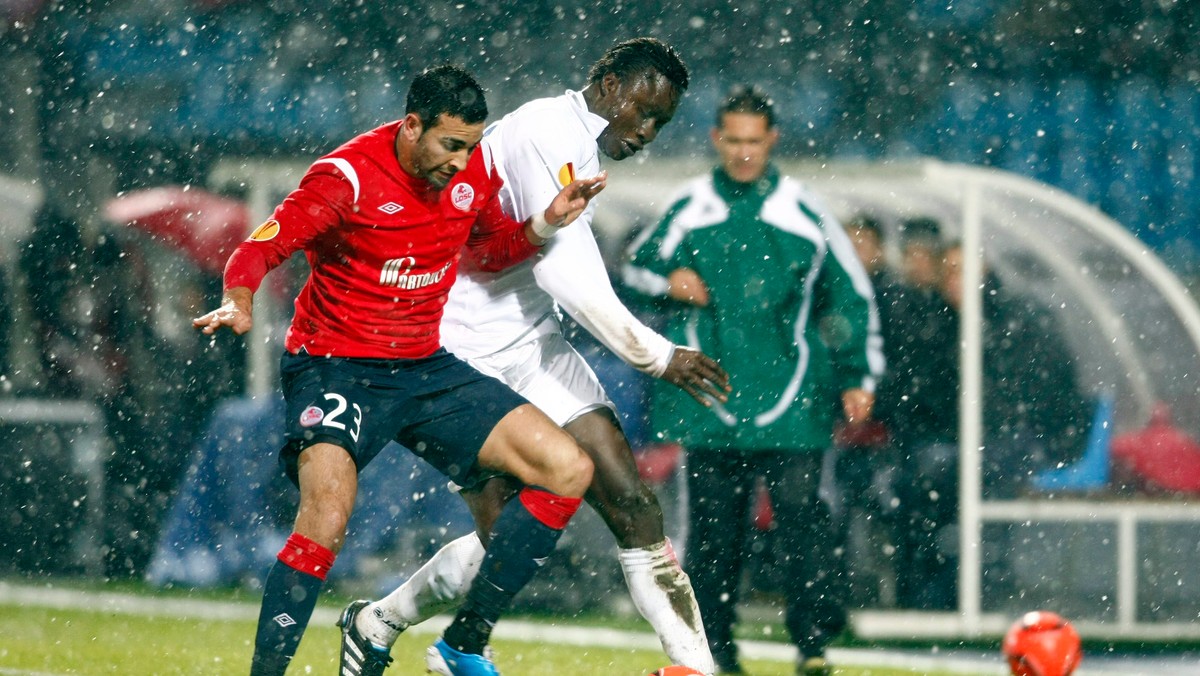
x,y
235,312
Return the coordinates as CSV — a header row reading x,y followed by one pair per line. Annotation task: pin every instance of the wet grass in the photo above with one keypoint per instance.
x,y
38,641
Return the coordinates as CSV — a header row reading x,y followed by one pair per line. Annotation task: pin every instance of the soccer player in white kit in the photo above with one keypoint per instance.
x,y
506,325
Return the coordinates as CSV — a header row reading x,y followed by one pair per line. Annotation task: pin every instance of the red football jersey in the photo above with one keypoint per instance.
x,y
383,247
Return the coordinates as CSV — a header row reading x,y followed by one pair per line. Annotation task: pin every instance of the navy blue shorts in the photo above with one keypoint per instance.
x,y
438,407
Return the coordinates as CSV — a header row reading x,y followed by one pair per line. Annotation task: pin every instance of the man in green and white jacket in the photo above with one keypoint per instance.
x,y
764,279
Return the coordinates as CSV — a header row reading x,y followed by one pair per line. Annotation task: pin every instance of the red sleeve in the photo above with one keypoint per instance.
x,y
313,208
497,241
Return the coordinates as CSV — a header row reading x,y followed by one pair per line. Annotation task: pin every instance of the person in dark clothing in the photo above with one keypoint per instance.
x,y
1034,415
766,281
871,461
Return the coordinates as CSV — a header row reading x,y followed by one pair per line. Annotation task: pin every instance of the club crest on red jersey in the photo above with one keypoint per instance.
x,y
311,416
461,196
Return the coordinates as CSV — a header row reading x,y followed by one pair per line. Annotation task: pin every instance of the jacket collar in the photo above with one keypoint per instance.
x,y
730,189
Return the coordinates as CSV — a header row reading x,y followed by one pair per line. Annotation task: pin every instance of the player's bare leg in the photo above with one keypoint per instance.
x,y
555,473
328,485
660,589
440,585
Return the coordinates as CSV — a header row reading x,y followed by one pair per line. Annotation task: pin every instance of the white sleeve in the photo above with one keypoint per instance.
x,y
572,271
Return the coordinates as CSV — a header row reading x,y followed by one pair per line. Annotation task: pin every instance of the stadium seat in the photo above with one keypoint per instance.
x,y
1160,457
1090,472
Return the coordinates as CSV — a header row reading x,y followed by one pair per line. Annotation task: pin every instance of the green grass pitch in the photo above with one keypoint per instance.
x,y
37,641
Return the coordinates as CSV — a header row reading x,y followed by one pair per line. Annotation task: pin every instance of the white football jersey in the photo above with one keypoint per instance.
x,y
537,149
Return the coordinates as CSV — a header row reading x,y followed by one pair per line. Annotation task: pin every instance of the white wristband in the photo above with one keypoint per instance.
x,y
541,227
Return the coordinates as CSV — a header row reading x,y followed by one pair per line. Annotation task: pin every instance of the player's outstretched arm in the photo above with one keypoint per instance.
x,y
236,312
697,374
566,206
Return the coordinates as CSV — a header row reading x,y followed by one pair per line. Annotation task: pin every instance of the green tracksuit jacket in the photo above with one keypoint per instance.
x,y
791,314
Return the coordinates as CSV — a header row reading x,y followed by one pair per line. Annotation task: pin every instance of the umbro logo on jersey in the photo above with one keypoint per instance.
x,y
283,620
390,208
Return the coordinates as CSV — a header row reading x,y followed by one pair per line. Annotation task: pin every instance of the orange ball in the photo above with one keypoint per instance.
x,y
1042,643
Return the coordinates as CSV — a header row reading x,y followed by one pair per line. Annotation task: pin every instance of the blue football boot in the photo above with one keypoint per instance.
x,y
440,658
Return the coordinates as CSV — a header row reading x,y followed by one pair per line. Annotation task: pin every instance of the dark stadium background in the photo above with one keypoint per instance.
x,y
1097,98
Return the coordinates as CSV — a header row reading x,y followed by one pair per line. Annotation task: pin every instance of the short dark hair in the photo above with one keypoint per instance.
x,y
635,56
446,89
747,99
922,230
866,222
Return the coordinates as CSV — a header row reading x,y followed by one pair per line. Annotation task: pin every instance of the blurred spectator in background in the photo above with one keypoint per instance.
x,y
58,267
1034,417
95,310
169,383
916,400
866,458
757,265
921,247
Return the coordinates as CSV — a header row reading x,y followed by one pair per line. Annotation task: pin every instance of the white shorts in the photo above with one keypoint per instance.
x,y
550,374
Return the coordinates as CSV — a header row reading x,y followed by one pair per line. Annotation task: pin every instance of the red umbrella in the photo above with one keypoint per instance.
x,y
201,225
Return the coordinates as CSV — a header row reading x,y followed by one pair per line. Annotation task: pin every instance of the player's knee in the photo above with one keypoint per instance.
x,y
331,528
570,470
323,521
564,470
572,474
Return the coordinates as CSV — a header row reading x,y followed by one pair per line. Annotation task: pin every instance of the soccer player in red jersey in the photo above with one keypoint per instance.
x,y
505,324
383,221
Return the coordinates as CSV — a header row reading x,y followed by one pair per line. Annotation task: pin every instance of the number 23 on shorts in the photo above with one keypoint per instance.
x,y
338,418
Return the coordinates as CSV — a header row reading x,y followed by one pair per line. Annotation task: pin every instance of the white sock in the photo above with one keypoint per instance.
x,y
663,594
439,585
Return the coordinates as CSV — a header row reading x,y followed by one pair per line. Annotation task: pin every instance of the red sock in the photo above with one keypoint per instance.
x,y
550,509
306,556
